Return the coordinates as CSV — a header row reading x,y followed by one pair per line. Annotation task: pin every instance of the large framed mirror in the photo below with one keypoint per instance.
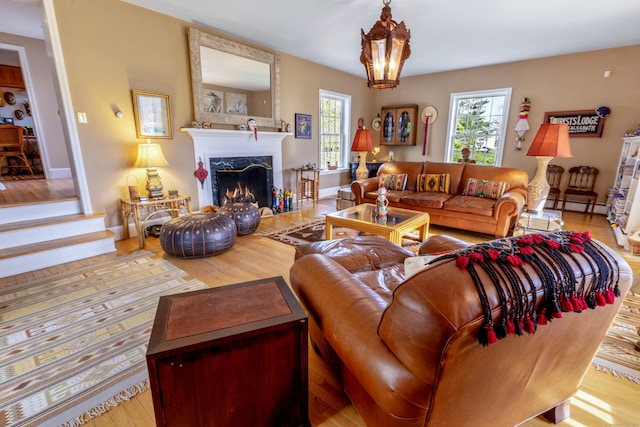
x,y
233,82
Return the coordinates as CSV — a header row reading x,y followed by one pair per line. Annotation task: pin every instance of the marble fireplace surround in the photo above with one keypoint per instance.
x,y
215,143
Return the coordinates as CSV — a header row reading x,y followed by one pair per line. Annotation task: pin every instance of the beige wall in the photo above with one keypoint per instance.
x,y
570,82
111,47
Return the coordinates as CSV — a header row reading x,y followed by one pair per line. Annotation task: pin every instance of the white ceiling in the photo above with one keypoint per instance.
x,y
445,34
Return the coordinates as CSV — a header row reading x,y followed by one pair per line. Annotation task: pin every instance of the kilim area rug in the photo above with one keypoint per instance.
x,y
617,354
312,230
74,344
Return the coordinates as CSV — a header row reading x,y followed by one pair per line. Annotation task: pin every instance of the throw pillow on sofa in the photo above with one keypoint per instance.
x,y
392,181
484,188
433,182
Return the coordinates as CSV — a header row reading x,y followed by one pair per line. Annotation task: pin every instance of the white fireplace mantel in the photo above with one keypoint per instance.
x,y
208,143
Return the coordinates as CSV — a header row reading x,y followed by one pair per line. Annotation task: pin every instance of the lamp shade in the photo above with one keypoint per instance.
x,y
363,141
552,140
150,156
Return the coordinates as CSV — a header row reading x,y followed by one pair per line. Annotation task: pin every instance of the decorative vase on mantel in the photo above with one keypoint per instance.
x,y
243,210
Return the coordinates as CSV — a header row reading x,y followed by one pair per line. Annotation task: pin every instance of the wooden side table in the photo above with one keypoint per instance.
x,y
307,185
140,212
230,356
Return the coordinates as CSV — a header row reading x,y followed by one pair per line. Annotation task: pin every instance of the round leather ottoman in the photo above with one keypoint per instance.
x,y
198,235
246,216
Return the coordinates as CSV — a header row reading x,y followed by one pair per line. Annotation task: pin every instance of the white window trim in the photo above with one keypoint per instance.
x,y
346,149
453,102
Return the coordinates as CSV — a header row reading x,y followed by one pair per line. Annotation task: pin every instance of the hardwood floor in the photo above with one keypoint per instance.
x,y
602,400
35,190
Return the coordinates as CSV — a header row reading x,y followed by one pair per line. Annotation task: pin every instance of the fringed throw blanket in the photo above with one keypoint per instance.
x,y
549,257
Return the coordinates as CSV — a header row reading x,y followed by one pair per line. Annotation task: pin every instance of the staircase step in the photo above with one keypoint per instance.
x,y
43,229
21,259
38,210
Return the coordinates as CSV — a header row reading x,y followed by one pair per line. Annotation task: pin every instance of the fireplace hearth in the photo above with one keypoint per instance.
x,y
223,144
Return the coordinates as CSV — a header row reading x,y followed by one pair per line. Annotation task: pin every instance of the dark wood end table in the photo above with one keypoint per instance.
x,y
230,356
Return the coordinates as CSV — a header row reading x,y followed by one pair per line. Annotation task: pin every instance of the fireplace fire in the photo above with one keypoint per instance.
x,y
242,177
240,195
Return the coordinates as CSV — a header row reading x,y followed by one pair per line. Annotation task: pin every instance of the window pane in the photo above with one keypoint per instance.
x,y
478,126
333,129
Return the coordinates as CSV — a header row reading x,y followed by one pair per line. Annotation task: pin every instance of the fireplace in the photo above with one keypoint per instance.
x,y
252,175
224,144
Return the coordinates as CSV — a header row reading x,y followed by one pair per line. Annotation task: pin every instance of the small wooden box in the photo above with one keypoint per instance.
x,y
230,356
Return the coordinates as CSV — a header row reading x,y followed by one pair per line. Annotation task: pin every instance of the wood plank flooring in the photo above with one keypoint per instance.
x,y
35,191
602,400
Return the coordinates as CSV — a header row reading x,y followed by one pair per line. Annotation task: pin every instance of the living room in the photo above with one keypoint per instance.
x,y
127,59
111,48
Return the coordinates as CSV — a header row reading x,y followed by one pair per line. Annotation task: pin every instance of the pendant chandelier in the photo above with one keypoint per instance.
x,y
384,50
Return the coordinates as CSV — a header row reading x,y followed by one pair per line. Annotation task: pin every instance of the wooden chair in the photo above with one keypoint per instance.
x,y
582,180
554,177
13,141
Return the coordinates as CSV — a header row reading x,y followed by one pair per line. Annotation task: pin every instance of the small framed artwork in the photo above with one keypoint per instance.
x,y
303,126
152,114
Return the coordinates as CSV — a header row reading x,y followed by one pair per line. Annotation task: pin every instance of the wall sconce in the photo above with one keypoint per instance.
x,y
151,158
116,111
523,125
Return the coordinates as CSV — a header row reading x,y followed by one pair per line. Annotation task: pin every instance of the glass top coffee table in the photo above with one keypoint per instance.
x,y
397,223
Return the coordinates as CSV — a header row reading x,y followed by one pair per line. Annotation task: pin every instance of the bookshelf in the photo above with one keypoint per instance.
x,y
623,204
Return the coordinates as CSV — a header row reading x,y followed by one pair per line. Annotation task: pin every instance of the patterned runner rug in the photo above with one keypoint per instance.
x,y
617,354
312,230
21,177
73,345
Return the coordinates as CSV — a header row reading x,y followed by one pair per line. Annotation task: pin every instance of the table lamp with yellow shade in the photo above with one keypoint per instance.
x,y
151,158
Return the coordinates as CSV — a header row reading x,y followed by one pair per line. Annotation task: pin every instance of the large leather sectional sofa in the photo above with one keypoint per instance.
x,y
453,208
420,351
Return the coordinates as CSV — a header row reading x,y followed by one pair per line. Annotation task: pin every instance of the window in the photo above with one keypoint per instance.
x,y
477,122
335,114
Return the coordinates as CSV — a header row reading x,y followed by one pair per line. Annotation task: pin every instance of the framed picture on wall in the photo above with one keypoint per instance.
x,y
303,126
152,114
582,123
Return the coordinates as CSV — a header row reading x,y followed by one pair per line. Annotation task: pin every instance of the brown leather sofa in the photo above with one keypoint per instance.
x,y
408,351
452,209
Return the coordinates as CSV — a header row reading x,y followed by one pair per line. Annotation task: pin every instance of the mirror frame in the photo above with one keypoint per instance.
x,y
199,38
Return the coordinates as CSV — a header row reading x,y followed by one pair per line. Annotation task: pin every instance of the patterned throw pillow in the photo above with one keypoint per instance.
x,y
392,181
484,188
433,182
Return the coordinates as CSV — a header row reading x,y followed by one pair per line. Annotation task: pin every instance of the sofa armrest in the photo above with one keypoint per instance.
x,y
348,313
441,243
362,186
362,253
507,208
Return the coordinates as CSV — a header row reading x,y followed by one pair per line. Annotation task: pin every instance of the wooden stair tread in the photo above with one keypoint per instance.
x,y
38,202
55,244
48,221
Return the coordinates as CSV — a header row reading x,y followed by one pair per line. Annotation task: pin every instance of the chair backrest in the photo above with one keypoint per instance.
x,y
554,175
582,178
12,138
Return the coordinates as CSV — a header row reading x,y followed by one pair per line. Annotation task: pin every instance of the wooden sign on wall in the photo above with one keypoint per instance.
x,y
582,123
